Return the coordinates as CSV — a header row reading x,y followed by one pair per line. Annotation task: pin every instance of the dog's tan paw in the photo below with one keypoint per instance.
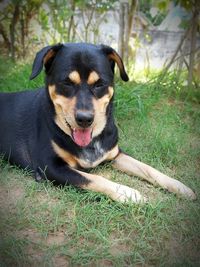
x,y
180,189
187,192
127,194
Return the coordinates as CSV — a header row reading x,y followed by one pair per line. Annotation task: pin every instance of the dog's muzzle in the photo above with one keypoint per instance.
x,y
83,136
84,119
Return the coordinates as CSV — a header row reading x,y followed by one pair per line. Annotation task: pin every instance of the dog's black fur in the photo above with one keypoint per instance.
x,y
27,118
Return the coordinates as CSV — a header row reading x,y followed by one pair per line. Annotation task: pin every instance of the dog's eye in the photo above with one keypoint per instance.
x,y
66,88
99,84
67,82
99,89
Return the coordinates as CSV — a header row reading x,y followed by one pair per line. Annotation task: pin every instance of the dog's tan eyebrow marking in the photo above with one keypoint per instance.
x,y
74,76
93,77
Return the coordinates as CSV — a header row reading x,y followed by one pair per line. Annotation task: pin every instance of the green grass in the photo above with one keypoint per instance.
x,y
43,225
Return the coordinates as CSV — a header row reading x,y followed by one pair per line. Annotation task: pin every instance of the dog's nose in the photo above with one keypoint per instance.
x,y
84,118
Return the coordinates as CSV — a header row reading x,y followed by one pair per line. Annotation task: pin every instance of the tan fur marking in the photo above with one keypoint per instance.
x,y
63,154
107,156
93,77
116,58
100,106
74,76
134,167
52,92
114,190
112,153
74,161
49,54
64,108
110,91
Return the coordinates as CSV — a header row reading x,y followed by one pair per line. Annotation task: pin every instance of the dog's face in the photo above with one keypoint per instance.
x,y
80,85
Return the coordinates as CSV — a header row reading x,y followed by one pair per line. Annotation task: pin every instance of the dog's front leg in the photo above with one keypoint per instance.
x,y
114,190
132,166
66,175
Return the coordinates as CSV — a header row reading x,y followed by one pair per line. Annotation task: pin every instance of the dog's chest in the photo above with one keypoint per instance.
x,y
92,156
88,157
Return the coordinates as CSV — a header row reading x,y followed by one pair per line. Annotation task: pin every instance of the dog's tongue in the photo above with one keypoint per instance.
x,y
82,137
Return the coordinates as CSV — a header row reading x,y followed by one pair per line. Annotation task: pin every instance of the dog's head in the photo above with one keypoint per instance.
x,y
79,79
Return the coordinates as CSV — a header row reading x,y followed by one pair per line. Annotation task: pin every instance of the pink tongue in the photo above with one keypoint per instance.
x,y
82,137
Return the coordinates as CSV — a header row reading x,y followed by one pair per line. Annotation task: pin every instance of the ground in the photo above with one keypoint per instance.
x,y
43,225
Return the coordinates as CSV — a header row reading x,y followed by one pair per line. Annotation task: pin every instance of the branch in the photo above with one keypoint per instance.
x,y
132,11
4,35
175,54
81,38
90,17
14,21
193,43
187,54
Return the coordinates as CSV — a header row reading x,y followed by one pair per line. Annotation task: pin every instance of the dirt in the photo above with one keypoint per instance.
x,y
9,196
61,261
179,253
55,239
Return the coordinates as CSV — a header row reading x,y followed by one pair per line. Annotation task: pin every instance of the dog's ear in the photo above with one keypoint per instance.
x,y
44,57
115,58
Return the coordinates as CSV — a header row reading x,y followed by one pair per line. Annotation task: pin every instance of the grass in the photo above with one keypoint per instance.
x,y
43,225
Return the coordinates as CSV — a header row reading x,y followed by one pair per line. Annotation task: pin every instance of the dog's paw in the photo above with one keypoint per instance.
x,y
179,188
127,194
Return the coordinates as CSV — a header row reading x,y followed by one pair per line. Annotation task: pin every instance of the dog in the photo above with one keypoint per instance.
x,y
67,127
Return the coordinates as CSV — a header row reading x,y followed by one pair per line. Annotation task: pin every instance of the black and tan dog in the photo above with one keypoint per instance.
x,y
68,126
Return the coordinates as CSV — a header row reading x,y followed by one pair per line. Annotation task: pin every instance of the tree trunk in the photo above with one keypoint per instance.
x,y
89,20
71,21
131,14
12,30
121,31
126,32
193,44
5,38
22,35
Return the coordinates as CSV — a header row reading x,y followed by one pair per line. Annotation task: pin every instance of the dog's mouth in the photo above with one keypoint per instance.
x,y
81,136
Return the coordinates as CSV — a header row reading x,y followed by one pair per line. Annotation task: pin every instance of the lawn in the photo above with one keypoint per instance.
x,y
43,225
